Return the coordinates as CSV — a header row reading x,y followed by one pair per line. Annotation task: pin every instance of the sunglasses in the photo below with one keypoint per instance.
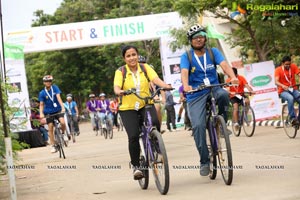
x,y
47,81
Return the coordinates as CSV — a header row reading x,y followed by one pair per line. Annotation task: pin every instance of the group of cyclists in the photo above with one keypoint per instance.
x,y
102,108
197,68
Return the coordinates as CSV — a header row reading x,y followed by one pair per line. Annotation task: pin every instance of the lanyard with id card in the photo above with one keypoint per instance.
x,y
51,97
137,82
203,67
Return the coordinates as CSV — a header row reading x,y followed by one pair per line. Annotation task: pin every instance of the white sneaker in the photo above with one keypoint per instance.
x,y
137,174
236,126
66,139
53,149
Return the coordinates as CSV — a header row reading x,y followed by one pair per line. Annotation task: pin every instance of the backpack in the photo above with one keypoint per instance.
x,y
124,72
212,57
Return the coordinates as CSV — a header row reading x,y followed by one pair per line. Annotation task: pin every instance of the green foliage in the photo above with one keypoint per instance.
x,y
16,145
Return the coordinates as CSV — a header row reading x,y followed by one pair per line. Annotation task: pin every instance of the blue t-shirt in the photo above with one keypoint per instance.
x,y
49,107
196,73
70,107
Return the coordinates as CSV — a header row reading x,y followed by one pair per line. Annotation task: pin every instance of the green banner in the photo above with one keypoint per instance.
x,y
13,51
213,33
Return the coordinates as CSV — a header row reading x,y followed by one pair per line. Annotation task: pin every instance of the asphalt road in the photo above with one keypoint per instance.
x,y
267,167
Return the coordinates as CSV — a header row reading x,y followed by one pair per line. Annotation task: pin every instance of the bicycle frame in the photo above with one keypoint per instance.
x,y
147,127
211,120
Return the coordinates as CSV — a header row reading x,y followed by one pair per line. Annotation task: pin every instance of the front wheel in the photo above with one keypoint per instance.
x,y
224,151
73,137
212,154
237,129
159,162
104,131
289,129
248,121
110,130
59,143
144,182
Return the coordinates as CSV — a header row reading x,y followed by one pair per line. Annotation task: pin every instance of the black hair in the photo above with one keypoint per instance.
x,y
126,47
235,71
285,59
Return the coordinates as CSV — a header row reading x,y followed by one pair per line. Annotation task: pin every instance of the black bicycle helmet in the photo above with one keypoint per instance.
x,y
142,59
195,29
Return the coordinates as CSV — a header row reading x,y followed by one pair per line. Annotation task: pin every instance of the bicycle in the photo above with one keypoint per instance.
x,y
153,152
58,136
246,117
97,121
107,127
218,141
71,127
289,129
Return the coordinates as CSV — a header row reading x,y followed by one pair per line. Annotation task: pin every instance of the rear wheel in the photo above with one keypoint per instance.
x,y
248,121
224,151
289,129
237,129
159,162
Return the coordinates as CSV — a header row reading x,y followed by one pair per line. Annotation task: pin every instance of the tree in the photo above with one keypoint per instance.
x,y
265,36
16,145
89,70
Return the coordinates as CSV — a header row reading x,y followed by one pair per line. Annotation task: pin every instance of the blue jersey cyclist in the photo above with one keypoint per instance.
x,y
72,113
52,104
200,71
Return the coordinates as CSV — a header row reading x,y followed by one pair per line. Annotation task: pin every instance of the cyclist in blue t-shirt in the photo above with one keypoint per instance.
x,y
72,113
200,71
51,104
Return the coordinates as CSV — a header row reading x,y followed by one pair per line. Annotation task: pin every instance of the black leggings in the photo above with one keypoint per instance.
x,y
132,120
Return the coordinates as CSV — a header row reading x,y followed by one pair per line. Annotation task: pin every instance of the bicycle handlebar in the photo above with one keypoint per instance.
x,y
296,85
52,115
202,87
134,91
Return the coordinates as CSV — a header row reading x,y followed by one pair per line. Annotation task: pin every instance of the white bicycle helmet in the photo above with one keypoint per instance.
x,y
47,78
102,95
92,95
193,30
69,96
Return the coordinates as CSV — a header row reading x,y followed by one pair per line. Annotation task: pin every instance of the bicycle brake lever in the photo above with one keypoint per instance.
x,y
201,87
